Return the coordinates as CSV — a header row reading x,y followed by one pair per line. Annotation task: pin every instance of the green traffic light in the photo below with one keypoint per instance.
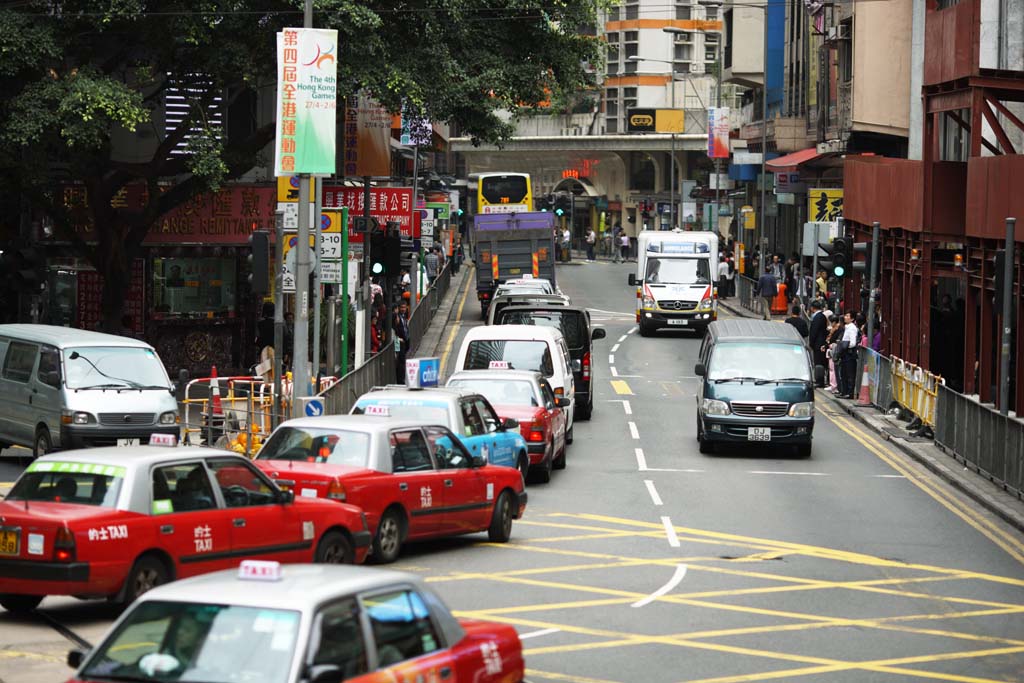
x,y
378,268
839,271
559,211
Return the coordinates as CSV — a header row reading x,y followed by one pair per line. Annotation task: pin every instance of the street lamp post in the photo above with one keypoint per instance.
x,y
672,156
764,103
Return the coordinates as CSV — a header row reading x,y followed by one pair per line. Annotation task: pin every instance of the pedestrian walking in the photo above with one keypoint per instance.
x,y
616,243
624,246
817,336
430,262
591,241
723,278
566,245
400,328
835,367
767,288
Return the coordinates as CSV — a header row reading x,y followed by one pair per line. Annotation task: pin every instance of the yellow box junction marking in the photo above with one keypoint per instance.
x,y
621,388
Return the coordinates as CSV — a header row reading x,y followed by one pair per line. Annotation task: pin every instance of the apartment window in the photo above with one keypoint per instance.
x,y
684,13
613,14
629,68
632,36
632,11
184,93
711,12
632,50
727,53
612,68
709,55
943,4
612,108
613,53
612,37
611,125
612,94
630,94
682,53
846,52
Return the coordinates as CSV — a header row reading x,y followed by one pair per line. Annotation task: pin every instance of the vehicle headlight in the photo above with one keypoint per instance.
x,y
801,410
169,418
648,303
713,407
69,417
707,304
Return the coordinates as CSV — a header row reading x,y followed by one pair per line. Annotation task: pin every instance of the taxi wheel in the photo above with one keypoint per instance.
x,y
387,544
559,463
147,573
20,603
568,434
42,444
501,522
523,465
546,465
334,548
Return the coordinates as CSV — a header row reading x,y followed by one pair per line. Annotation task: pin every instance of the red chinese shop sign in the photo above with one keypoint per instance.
x,y
386,204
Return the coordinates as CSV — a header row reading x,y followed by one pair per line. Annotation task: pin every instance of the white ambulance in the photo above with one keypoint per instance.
x,y
675,280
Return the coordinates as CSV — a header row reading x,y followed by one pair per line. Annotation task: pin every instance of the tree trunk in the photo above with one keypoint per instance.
x,y
113,261
116,281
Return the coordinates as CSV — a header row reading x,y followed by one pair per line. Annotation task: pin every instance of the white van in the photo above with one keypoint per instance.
x,y
67,388
522,347
675,280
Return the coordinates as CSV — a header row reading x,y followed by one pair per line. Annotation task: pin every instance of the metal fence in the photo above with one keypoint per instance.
x,y
377,371
421,316
745,293
984,440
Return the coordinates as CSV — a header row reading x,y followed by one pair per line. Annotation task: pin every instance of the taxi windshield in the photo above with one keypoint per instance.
x,y
95,367
408,410
176,641
500,392
69,482
332,446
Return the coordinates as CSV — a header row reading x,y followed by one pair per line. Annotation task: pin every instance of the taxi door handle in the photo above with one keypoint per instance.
x,y
448,483
403,487
238,521
446,671
167,529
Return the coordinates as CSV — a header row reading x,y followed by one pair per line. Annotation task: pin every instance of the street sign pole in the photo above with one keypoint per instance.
x,y
345,341
278,312
318,250
1004,365
300,335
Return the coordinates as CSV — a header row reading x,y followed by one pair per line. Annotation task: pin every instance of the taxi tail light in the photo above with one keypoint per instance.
x,y
336,491
535,433
586,366
64,545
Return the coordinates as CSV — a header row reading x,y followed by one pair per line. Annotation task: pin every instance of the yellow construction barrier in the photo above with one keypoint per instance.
x,y
915,389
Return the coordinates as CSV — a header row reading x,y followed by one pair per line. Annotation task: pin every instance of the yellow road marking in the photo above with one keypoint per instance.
x,y
455,328
533,673
1013,546
16,654
621,388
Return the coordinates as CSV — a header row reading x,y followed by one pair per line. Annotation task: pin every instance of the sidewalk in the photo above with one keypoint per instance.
x,y
924,451
434,338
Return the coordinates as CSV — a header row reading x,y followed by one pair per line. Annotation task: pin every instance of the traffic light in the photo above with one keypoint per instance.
x,y
393,249
865,265
259,262
378,244
562,205
842,256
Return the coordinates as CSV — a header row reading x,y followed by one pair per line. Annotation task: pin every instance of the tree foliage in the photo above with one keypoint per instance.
x,y
79,78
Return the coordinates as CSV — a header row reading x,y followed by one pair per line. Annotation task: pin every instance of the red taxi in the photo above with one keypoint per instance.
x,y
115,522
525,396
265,623
415,480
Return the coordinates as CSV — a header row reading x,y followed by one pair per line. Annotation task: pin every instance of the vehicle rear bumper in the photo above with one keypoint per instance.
x,y
536,452
734,429
19,577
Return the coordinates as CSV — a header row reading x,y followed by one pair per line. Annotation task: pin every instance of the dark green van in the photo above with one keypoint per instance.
x,y
756,386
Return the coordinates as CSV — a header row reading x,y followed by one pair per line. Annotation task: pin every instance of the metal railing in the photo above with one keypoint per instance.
x,y
981,438
915,388
879,372
377,371
745,293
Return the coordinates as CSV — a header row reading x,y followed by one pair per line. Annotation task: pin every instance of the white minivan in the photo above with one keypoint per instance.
x,y
66,388
523,347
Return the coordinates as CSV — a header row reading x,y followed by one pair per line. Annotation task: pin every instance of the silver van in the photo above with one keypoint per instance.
x,y
67,388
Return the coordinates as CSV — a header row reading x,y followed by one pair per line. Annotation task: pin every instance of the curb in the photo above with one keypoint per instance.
x,y
982,491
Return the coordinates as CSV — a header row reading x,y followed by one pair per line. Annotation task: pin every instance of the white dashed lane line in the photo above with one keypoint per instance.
x,y
611,359
615,348
670,532
641,461
677,577
655,498
622,339
633,432
628,408
615,373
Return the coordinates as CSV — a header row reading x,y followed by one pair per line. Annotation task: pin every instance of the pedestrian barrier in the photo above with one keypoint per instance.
x,y
981,438
915,389
745,293
377,371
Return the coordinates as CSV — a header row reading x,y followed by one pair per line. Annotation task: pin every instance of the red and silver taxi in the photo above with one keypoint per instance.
x,y
267,623
115,522
413,479
524,396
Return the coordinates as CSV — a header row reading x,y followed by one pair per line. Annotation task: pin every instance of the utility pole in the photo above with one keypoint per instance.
x,y
278,312
718,161
873,279
1004,364
300,352
317,249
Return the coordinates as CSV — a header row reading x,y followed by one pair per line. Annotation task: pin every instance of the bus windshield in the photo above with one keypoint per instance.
x,y
504,189
677,271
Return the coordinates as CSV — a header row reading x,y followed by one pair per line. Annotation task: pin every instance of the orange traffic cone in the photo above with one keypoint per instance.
x,y
218,409
865,389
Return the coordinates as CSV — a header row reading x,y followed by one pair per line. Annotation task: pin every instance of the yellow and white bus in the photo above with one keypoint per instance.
x,y
503,193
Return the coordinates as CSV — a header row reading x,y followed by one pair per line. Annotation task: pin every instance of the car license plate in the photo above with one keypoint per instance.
x,y
9,541
678,321
128,442
759,433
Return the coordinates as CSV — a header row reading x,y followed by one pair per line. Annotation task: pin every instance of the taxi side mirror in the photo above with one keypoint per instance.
x,y
479,461
324,673
631,279
75,658
598,333
561,402
509,423
699,370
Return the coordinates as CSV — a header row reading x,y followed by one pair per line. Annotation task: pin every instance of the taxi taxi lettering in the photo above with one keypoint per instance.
x,y
425,498
492,657
203,538
111,532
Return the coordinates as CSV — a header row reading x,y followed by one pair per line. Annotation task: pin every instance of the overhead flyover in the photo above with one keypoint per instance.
x,y
638,142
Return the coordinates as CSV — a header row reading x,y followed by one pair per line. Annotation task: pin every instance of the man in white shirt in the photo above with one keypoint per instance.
x,y
849,358
566,245
723,278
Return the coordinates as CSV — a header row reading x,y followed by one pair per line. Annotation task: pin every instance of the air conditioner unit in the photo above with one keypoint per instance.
x,y
684,38
838,32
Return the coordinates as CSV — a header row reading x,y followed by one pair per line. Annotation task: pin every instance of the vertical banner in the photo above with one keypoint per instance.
x,y
307,96
718,132
367,148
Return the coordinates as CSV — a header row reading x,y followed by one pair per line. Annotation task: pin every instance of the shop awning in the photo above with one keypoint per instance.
x,y
793,162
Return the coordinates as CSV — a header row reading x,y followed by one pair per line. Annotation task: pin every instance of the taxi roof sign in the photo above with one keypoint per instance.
x,y
163,440
378,410
259,570
498,365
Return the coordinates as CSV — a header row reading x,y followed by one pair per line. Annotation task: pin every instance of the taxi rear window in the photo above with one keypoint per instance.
x,y
408,410
521,355
69,482
332,446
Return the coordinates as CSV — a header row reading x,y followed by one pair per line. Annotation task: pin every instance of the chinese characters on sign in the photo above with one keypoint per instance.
x,y
203,539
367,141
718,132
90,298
824,205
386,204
307,95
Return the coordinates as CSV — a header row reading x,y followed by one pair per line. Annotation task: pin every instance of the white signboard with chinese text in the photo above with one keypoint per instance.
x,y
306,107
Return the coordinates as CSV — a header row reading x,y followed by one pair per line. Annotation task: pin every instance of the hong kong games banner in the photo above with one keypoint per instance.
x,y
307,101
